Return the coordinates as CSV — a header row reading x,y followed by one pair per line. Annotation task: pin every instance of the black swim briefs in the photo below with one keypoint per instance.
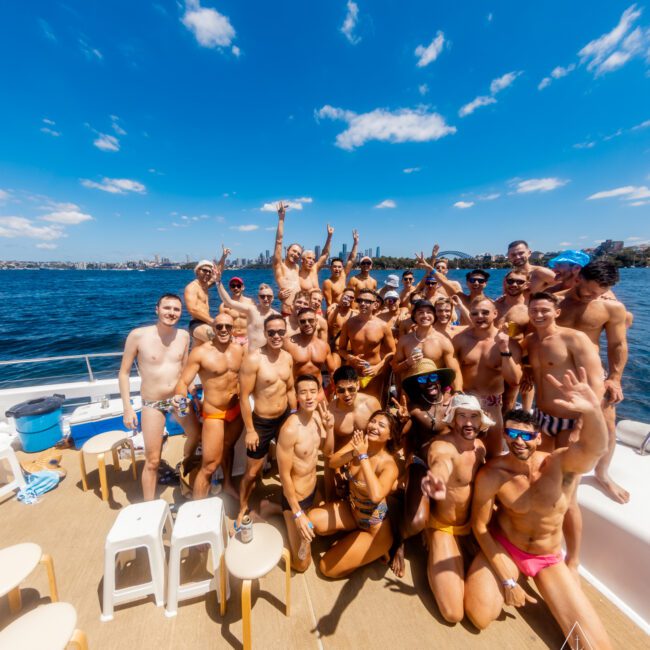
x,y
305,504
267,429
194,323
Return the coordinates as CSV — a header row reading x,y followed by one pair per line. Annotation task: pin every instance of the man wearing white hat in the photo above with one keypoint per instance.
x,y
363,280
453,461
198,303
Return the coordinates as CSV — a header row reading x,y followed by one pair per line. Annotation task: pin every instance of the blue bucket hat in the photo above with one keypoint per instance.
x,y
570,257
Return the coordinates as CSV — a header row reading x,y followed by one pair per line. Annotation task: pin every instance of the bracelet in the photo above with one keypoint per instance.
x,y
298,514
362,457
509,583
292,411
506,354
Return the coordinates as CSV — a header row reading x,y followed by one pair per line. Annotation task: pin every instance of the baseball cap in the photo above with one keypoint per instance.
x,y
235,279
570,257
391,294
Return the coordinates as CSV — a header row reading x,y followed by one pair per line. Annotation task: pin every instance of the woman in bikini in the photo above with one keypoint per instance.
x,y
371,470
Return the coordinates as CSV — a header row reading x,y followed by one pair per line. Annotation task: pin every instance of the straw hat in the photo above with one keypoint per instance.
x,y
425,366
469,403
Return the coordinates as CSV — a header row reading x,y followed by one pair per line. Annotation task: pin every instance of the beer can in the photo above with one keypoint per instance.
x,y
417,351
246,529
183,407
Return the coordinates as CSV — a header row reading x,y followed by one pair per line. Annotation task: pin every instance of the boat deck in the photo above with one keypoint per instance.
x,y
371,609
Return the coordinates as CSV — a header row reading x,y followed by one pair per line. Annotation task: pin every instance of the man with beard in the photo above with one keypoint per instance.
x,y
267,375
363,280
286,271
217,364
334,286
425,342
488,360
309,353
371,345
532,491
198,302
453,462
424,384
160,351
582,309
304,433
310,266
566,267
302,301
539,278
512,306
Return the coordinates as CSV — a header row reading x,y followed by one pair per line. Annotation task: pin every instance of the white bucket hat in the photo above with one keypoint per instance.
x,y
470,403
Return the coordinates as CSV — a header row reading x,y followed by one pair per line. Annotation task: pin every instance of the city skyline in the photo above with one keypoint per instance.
x,y
173,127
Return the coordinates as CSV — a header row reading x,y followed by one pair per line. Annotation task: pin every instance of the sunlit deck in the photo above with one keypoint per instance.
x,y
371,609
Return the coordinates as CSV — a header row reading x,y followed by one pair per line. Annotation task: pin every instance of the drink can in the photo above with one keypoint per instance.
x,y
513,329
183,407
417,351
246,529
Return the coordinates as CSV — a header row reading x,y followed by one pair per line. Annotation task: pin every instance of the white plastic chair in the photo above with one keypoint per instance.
x,y
18,482
198,522
137,525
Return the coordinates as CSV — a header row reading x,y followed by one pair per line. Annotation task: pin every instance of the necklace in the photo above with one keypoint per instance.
x,y
418,339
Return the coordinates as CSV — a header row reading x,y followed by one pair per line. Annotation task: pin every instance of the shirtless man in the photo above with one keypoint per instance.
x,y
337,316
309,353
532,490
406,325
539,277
217,364
267,375
334,286
488,360
408,288
286,271
453,462
512,306
316,301
441,265
391,313
161,351
363,280
301,437
310,266
302,301
254,313
371,345
584,310
425,342
566,267
198,303
240,329
443,323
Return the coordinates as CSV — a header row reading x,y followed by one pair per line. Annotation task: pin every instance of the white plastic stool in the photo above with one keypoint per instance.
x,y
18,482
137,525
198,522
48,626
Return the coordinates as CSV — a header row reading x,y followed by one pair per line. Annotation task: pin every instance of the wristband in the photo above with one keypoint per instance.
x,y
362,457
292,411
509,583
506,354
298,514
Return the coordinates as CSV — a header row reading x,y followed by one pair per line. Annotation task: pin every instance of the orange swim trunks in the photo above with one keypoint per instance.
x,y
228,415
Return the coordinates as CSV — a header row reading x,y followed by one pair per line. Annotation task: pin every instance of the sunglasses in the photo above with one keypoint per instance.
x,y
364,301
431,378
430,283
512,282
273,333
407,279
477,281
205,270
341,390
390,300
236,285
307,321
366,263
265,296
223,326
526,436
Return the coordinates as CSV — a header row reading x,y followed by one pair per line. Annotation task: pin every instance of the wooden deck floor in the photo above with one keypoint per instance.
x,y
371,609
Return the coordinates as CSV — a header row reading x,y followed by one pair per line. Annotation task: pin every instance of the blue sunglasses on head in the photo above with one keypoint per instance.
x,y
526,436
431,378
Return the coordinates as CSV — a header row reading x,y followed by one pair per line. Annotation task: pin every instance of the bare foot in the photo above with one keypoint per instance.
x,y
269,508
614,490
397,563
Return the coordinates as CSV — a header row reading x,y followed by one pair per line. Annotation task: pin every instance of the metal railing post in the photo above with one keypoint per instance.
x,y
90,370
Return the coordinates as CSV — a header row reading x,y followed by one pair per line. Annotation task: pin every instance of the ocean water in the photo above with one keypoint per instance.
x,y
57,313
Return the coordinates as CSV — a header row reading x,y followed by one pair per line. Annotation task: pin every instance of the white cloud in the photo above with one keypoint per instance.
x,y
557,73
469,108
614,49
633,193
545,82
47,246
411,170
115,185
115,123
502,82
69,217
431,52
350,22
386,203
50,122
47,30
90,52
463,205
401,125
489,197
291,204
49,131
589,144
539,185
245,228
4,195
107,142
564,243
490,17
423,89
210,28
236,51
12,227
633,239
643,125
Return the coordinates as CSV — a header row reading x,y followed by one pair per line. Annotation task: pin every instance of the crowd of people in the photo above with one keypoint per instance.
x,y
431,408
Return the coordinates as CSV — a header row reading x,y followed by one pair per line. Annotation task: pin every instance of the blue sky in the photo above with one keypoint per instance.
x,y
135,128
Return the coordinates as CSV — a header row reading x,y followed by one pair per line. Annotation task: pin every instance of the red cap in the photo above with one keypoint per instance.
x,y
235,279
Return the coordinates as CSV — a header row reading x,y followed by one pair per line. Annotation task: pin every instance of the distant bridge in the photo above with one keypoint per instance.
x,y
462,256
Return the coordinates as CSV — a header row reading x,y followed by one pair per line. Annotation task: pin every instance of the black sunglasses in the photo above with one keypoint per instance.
x,y
512,282
477,280
365,301
236,285
265,296
307,321
341,390
223,326
272,333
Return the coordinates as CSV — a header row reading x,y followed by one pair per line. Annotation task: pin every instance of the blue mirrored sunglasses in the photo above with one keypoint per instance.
x,y
526,436
431,378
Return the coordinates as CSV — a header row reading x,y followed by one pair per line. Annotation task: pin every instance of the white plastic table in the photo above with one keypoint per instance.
x,y
16,563
48,626
254,560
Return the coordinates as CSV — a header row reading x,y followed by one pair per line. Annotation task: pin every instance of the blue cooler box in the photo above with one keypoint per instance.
x,y
38,422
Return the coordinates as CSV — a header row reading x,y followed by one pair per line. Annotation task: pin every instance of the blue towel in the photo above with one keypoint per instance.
x,y
37,484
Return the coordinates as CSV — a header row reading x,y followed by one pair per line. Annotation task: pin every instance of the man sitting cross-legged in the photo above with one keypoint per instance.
x,y
305,432
532,491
